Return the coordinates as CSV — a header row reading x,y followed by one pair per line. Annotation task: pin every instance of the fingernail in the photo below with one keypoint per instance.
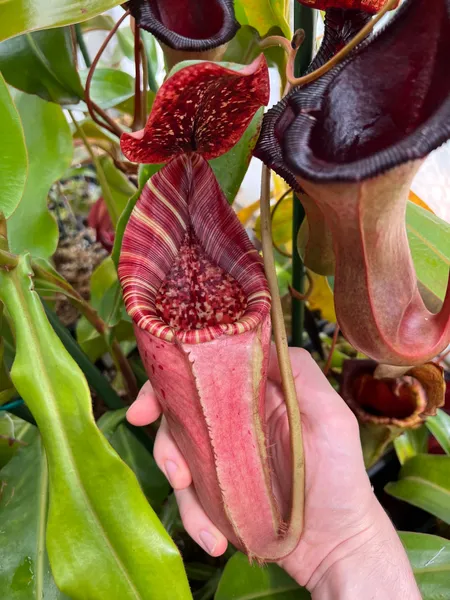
x,y
208,540
171,469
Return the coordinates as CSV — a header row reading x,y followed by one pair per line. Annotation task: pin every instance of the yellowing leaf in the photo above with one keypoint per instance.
x,y
414,198
321,297
263,15
245,214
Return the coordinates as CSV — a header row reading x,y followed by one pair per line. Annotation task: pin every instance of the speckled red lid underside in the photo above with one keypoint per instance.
x,y
187,267
370,6
203,108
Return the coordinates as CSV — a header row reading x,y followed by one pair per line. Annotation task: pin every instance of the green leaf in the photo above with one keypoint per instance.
x,y
263,15
125,38
50,150
94,377
93,131
411,443
109,87
244,48
18,16
138,458
425,482
100,525
145,172
281,225
119,185
106,298
430,560
42,63
440,428
24,568
242,581
124,217
101,22
429,239
14,435
13,152
231,167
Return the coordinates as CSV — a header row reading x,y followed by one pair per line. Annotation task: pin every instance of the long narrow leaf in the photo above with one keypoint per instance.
x,y
103,539
425,482
24,568
440,428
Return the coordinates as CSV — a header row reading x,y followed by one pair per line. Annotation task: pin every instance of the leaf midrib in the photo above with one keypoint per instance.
x,y
45,376
42,522
40,56
428,244
426,482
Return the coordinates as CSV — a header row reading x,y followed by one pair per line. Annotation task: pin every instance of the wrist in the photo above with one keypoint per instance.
x,y
372,565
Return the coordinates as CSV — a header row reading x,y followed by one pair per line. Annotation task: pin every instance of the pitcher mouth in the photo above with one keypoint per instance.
x,y
388,104
187,25
188,269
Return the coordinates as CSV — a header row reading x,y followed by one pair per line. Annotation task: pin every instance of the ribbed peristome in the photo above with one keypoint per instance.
x,y
186,194
187,25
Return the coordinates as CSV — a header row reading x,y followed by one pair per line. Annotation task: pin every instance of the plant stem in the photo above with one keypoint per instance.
x,y
342,54
8,260
274,210
97,322
298,278
93,108
305,18
144,59
327,366
153,86
288,383
107,195
137,120
82,45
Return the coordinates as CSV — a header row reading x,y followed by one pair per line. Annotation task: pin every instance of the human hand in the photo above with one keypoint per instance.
x,y
342,516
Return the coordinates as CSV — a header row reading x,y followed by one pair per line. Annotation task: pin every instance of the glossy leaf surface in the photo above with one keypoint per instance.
x,y
119,185
411,443
42,63
430,560
263,15
25,571
18,16
49,147
231,167
14,435
440,428
425,482
100,524
152,481
14,161
242,581
109,87
106,298
429,240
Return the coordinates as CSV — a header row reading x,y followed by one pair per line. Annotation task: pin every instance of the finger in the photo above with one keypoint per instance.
x,y
169,458
145,409
197,523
